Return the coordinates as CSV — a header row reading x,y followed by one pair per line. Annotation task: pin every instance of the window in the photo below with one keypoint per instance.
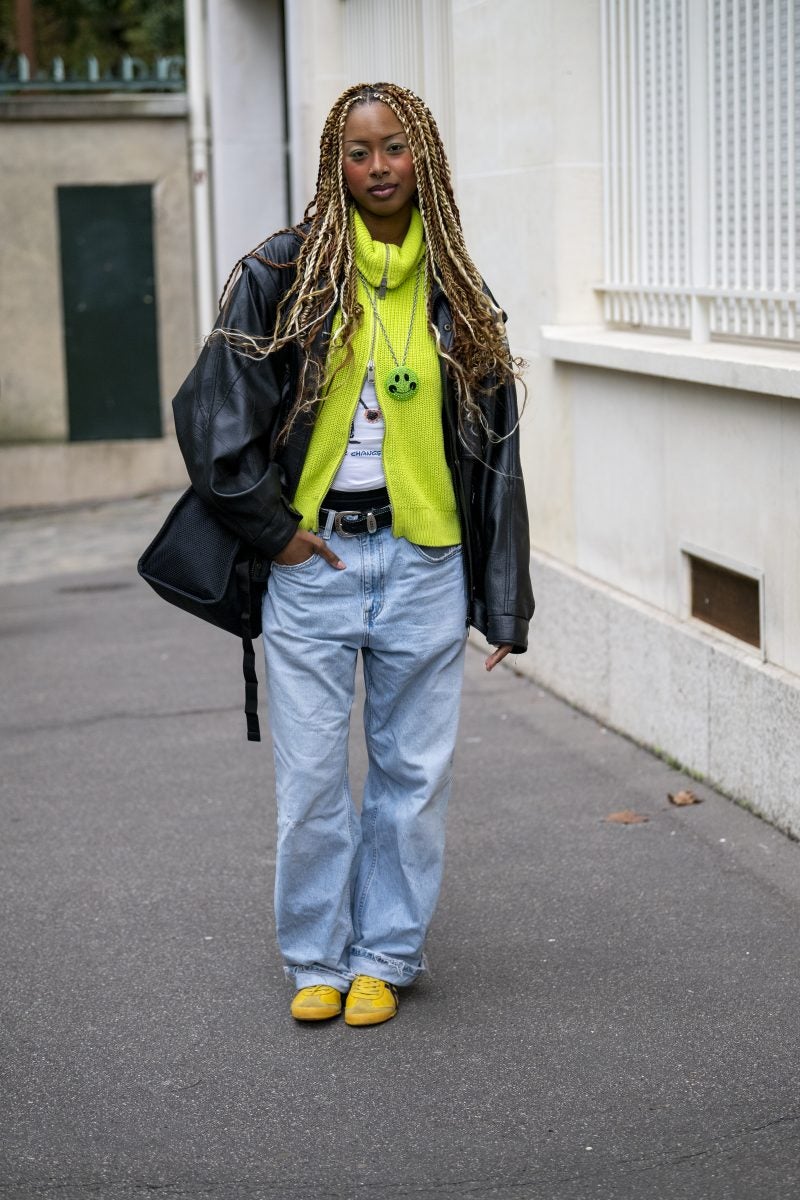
x,y
701,114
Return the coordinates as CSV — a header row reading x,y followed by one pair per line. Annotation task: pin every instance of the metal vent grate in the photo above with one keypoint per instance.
x,y
726,599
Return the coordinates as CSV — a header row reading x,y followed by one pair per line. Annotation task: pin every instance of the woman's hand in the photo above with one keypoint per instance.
x,y
498,656
302,546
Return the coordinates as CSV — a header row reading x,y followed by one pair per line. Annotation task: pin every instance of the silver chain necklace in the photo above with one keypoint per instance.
x,y
403,381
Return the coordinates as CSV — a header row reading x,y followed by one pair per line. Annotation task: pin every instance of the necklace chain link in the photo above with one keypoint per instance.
x,y
369,290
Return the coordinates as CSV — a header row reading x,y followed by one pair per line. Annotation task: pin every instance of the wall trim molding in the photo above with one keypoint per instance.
x,y
769,370
110,107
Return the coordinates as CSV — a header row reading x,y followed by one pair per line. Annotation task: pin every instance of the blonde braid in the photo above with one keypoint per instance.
x,y
326,276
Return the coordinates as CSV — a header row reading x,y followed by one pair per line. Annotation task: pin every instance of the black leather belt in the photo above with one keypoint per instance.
x,y
349,522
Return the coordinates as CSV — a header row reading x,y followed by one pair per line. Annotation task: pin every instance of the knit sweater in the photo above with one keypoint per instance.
x,y
417,476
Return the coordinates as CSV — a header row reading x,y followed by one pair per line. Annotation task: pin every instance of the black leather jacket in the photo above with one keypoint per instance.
x,y
230,409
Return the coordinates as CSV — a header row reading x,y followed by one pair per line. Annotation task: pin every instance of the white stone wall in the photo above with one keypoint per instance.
x,y
527,104
623,468
675,686
658,464
331,46
316,75
249,166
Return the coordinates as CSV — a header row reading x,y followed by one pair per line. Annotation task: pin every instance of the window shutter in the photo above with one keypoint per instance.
x,y
694,245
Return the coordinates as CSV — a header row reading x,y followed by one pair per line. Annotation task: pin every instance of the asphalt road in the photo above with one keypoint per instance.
x,y
611,1010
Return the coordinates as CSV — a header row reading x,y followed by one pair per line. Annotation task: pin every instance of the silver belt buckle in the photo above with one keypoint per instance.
x,y
347,512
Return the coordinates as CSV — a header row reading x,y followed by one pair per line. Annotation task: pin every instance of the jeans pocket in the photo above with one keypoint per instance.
x,y
436,554
290,568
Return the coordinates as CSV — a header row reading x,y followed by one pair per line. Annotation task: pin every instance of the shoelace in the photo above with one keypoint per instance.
x,y
317,988
368,986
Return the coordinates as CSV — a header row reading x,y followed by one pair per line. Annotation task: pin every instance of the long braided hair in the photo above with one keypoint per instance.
x,y
326,276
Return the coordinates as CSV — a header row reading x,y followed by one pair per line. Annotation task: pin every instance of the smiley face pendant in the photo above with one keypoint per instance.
x,y
402,383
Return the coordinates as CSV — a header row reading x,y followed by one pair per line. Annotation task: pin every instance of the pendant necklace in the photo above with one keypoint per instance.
x,y
402,382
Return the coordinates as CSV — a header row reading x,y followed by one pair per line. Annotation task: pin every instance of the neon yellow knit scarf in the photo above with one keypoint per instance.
x,y
417,476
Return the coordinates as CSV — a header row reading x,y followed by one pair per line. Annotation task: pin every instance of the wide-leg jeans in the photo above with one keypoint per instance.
x,y
355,893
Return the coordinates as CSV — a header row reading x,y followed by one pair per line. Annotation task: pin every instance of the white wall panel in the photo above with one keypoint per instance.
x,y
407,42
249,167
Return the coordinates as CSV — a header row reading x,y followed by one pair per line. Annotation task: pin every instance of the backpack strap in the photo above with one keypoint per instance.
x,y
248,652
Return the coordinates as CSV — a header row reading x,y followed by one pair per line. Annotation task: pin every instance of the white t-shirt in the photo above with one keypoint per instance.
x,y
361,469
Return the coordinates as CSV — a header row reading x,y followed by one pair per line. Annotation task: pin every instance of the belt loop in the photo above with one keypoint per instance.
x,y
372,524
326,532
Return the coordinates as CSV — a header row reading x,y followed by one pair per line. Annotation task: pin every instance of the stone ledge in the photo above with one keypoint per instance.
x,y
768,370
113,106
53,474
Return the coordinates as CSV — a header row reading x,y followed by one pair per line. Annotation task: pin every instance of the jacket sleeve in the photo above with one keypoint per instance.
x,y
227,414
501,516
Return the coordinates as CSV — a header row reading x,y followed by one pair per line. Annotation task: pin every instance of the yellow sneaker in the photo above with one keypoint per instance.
x,y
316,1003
370,1001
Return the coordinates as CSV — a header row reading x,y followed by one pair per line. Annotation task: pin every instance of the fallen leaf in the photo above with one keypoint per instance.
x,y
627,817
683,798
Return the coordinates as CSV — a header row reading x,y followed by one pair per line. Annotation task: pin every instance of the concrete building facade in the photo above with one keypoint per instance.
x,y
53,141
50,143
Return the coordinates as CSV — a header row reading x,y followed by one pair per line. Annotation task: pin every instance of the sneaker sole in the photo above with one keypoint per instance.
x,y
317,1016
360,1019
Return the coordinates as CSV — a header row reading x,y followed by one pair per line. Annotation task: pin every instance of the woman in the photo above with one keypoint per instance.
x,y
353,416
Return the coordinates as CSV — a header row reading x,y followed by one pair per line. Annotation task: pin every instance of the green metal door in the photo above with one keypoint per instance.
x,y
108,286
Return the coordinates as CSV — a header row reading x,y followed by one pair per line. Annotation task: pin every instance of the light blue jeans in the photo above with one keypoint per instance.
x,y
354,894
